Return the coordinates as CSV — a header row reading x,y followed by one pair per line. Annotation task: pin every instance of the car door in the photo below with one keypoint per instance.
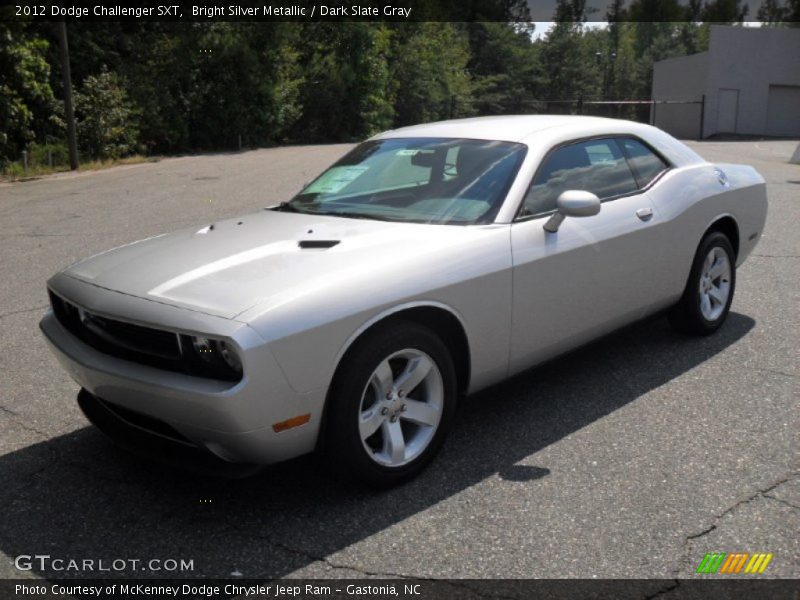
x,y
595,273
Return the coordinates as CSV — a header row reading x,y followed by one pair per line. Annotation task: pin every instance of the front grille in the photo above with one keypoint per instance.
x,y
135,343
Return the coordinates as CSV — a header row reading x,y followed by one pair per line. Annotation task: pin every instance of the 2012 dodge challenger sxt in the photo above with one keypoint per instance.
x,y
429,262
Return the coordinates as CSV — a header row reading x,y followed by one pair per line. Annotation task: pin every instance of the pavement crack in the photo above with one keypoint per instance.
x,y
782,501
14,417
776,255
694,536
26,481
39,235
335,565
310,557
759,493
775,372
24,310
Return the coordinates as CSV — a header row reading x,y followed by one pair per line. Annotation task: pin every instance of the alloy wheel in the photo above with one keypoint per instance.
x,y
401,407
715,284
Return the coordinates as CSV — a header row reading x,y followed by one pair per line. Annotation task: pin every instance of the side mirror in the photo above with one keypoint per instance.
x,y
572,203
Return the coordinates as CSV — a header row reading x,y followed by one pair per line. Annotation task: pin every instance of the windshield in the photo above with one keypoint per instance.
x,y
421,180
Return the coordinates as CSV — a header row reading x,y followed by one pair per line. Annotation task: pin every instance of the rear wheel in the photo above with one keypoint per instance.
x,y
391,404
707,298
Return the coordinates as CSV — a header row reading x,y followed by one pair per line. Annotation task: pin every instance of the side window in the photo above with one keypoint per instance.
x,y
596,166
644,161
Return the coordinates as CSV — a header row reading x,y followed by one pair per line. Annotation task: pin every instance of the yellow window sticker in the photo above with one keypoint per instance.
x,y
335,179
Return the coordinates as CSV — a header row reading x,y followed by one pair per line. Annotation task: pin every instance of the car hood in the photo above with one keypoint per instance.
x,y
233,265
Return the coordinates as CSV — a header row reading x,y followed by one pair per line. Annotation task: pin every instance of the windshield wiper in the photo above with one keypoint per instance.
x,y
356,215
288,207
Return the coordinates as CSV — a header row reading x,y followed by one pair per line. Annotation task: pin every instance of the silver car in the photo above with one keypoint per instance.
x,y
428,263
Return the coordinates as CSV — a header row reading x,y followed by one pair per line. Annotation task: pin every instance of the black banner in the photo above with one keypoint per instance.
x,y
362,10
401,589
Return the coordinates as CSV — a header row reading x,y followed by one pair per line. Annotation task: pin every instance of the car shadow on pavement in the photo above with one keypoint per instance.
x,y
78,496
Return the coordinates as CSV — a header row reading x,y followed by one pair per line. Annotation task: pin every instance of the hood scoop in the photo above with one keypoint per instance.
x,y
318,244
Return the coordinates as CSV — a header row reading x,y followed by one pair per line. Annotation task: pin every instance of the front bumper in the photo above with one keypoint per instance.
x,y
156,440
233,421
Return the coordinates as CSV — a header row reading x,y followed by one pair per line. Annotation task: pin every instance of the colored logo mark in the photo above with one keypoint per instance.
x,y
735,562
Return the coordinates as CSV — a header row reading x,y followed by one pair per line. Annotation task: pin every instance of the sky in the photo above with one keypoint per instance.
x,y
597,9
542,27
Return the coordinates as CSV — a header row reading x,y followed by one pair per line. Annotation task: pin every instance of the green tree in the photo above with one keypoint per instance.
x,y
244,82
105,117
161,82
665,42
373,85
779,13
346,92
618,51
28,108
505,68
723,11
563,61
430,74
575,60
624,79
199,85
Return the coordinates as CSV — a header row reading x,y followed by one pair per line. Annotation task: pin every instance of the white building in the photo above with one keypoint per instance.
x,y
747,83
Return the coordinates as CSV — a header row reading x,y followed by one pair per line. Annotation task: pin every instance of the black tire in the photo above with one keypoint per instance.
x,y
687,316
344,449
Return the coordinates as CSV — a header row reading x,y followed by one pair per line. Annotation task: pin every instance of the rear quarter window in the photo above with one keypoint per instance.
x,y
646,164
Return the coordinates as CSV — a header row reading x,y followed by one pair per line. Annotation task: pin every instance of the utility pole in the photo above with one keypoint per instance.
x,y
69,111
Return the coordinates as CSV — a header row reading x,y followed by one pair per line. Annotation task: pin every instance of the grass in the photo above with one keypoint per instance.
x,y
15,172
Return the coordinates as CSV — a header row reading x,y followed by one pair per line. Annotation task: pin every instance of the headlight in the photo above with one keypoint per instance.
x,y
203,347
214,358
229,355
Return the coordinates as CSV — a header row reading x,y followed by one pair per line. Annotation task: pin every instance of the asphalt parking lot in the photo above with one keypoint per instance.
x,y
631,458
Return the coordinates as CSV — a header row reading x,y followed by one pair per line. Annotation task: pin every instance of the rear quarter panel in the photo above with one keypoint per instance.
x,y
691,199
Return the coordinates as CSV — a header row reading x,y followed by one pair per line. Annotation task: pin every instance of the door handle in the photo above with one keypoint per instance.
x,y
645,214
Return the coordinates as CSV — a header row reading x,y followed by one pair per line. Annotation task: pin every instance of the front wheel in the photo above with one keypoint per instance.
x,y
391,405
707,298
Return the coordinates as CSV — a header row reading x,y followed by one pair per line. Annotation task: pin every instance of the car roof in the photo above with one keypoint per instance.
x,y
543,131
508,128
